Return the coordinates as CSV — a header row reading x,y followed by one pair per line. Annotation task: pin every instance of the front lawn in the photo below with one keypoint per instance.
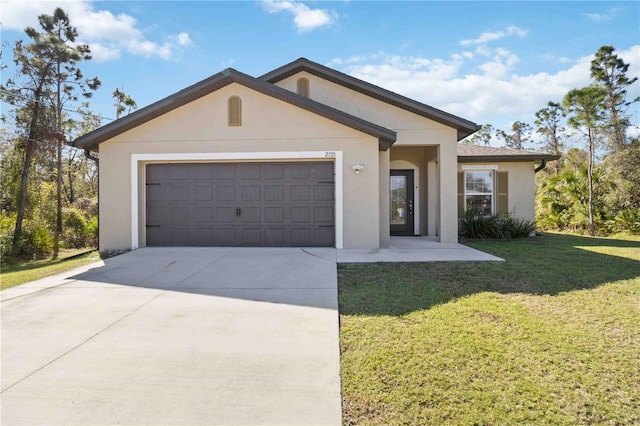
x,y
551,336
19,272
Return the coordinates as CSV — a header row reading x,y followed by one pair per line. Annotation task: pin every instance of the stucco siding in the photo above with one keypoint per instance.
x,y
522,186
268,125
448,175
412,129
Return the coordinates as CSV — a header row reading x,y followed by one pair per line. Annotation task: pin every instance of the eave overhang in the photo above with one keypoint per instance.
x,y
463,127
91,140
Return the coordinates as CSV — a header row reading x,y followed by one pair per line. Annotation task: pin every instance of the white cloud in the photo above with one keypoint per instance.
x,y
183,39
491,94
108,35
486,37
304,18
604,17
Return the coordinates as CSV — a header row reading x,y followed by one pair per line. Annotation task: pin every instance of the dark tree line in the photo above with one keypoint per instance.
x,y
48,189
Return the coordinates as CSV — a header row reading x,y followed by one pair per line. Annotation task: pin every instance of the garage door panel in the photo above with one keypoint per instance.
x,y
226,193
157,215
203,214
323,215
300,214
203,193
178,192
251,193
323,193
250,215
300,193
323,171
202,236
225,171
155,236
251,236
225,215
273,171
324,236
274,193
252,171
230,204
203,172
177,172
225,236
275,236
274,214
156,192
178,235
300,171
300,236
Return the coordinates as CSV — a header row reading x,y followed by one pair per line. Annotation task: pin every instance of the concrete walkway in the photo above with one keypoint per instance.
x,y
179,336
416,249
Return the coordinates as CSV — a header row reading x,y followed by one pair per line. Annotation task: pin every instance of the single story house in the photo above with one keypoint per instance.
x,y
302,156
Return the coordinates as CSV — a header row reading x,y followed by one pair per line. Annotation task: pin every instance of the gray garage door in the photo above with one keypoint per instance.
x,y
240,204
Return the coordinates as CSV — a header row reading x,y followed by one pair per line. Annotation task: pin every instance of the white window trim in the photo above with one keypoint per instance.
x,y
493,189
336,156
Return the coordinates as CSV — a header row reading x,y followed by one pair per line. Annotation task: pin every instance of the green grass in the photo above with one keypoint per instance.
x,y
20,272
551,336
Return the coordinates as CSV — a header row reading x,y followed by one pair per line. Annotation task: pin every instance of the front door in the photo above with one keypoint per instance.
x,y
401,215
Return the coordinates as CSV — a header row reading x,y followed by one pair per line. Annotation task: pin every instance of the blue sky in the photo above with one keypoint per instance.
x,y
490,62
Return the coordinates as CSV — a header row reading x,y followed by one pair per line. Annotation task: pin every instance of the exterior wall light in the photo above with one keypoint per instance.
x,y
357,168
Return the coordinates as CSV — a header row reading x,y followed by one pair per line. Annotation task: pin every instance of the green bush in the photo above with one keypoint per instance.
x,y
513,227
495,227
7,223
626,221
37,240
91,231
74,226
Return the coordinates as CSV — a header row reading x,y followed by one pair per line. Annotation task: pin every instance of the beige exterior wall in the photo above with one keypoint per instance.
x,y
383,171
522,186
412,131
268,125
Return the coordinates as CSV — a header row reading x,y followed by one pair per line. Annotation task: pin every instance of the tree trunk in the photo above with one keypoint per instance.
x,y
71,196
58,140
58,233
592,228
29,152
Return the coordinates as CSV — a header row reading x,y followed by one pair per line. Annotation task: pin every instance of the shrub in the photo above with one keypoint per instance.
x,y
74,223
626,221
7,223
80,230
91,231
513,227
37,240
495,227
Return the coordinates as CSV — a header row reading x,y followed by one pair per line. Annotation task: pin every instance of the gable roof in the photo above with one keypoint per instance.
x,y
464,127
476,153
91,140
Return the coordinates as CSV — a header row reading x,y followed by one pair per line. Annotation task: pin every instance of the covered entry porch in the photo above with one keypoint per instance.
x,y
414,192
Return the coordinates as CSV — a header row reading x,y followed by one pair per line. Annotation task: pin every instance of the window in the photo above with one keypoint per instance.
x,y
303,87
478,192
235,111
485,191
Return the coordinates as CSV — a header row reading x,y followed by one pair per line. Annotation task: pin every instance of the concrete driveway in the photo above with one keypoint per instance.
x,y
177,336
